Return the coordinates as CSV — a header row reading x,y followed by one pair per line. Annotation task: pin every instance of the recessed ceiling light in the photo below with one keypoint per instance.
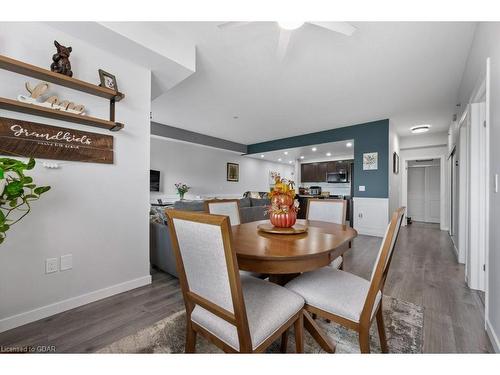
x,y
279,159
286,152
290,25
328,154
302,157
236,117
290,162
420,129
348,144
314,149
261,156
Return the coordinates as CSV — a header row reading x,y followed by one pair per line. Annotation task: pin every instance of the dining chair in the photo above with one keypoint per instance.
x,y
236,313
332,211
228,207
348,299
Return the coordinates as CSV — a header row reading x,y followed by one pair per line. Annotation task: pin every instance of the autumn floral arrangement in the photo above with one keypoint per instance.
x,y
181,189
284,207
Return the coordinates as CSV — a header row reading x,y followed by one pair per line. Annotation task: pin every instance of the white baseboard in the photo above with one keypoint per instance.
x,y
70,303
493,337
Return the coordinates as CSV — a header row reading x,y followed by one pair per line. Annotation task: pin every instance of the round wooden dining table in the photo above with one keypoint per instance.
x,y
284,256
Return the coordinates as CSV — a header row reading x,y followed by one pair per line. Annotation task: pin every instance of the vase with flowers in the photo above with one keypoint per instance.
x,y
284,207
182,189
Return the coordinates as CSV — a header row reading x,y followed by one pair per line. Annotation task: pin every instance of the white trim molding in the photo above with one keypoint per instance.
x,y
495,342
371,215
14,321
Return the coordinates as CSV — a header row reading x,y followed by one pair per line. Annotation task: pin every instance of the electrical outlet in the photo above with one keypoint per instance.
x,y
361,188
51,265
66,262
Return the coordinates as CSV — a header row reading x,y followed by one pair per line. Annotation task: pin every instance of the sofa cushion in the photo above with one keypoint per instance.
x,y
260,202
253,214
245,202
190,205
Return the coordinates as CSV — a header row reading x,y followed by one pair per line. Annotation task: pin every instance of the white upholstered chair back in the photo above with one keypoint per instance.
x,y
227,208
201,248
330,210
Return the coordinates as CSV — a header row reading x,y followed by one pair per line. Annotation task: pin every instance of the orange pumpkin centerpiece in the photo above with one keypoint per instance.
x,y
284,207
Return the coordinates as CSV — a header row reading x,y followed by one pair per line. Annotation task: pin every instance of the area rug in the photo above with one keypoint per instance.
x,y
403,323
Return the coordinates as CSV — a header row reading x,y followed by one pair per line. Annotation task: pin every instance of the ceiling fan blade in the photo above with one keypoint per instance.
x,y
339,27
229,25
284,40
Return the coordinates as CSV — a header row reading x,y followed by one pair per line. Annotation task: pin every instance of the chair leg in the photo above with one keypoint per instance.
x,y
381,330
299,334
284,341
364,339
341,267
190,339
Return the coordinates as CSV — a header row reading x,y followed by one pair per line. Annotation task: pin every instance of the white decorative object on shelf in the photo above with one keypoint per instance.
x,y
51,102
50,165
370,161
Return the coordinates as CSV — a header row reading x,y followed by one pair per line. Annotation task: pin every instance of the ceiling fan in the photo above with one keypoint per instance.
x,y
287,28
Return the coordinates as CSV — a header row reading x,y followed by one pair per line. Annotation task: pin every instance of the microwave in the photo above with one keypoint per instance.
x,y
337,177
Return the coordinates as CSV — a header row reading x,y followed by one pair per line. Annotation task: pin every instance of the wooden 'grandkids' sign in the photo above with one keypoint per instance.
x,y
30,139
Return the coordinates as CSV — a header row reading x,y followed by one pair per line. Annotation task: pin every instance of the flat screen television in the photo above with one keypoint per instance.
x,y
154,180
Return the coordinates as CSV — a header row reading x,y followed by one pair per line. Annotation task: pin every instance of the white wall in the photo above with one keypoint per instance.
x,y
204,170
424,140
97,212
484,45
427,153
394,179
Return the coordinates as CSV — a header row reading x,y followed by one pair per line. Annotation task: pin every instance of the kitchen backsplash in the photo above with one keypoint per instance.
x,y
334,189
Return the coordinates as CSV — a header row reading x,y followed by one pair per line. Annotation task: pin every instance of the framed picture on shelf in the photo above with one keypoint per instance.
x,y
108,80
395,163
233,172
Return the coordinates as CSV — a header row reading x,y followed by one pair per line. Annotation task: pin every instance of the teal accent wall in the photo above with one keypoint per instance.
x,y
368,137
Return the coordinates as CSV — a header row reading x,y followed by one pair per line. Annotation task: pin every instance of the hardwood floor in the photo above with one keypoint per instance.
x,y
424,271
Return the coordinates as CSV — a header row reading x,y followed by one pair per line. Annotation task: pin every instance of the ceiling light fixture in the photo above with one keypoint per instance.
x,y
328,154
420,129
290,162
261,156
286,152
236,117
290,25
279,159
348,144
314,149
302,157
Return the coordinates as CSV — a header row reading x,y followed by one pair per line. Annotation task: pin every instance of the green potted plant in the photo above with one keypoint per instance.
x,y
181,189
17,191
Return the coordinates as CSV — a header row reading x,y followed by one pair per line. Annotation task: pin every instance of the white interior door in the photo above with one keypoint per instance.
x,y
416,193
432,194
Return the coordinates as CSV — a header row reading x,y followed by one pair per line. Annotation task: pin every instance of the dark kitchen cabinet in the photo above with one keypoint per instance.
x,y
331,166
317,172
313,172
321,172
307,173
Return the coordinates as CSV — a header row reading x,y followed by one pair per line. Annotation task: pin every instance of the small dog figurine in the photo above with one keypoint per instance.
x,y
61,62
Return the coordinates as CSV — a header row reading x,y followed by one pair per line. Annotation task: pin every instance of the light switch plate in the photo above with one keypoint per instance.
x,y
66,262
51,265
361,188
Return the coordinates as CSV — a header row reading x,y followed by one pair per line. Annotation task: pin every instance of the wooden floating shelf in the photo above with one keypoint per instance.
x,y
60,79
14,105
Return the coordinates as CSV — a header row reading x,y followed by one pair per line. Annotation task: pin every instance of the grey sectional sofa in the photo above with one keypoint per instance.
x,y
160,248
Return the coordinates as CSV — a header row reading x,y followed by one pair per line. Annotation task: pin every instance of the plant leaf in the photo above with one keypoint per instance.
x,y
41,189
31,164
